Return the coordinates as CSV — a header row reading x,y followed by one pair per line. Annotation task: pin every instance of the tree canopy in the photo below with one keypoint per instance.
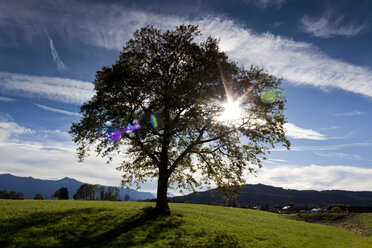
x,y
182,112
61,194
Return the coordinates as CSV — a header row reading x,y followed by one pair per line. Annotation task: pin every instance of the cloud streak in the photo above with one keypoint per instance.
x,y
267,3
340,155
60,65
325,28
297,62
52,88
351,113
56,110
296,132
7,99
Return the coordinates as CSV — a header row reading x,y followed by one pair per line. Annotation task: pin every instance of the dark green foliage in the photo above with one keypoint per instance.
x,y
61,194
86,192
185,84
20,196
112,194
109,193
4,194
126,197
38,197
12,195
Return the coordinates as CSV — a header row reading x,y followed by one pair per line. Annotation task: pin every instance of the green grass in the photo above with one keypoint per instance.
x,y
71,223
359,224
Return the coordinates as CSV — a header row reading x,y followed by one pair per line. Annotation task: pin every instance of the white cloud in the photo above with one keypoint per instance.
x,y
53,88
6,99
315,177
267,3
296,62
296,132
325,28
49,159
11,129
323,148
60,65
57,110
351,113
340,155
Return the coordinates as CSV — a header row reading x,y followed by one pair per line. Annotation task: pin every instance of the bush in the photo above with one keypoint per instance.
x,y
61,194
38,197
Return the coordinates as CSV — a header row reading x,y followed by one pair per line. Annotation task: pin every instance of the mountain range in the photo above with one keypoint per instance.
x,y
259,194
31,186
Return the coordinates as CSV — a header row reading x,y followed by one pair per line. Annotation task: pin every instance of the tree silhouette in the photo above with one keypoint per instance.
x,y
182,112
61,194
38,197
126,197
86,192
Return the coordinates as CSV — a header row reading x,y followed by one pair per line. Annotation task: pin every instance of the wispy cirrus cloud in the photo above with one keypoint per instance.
x,y
296,132
350,113
10,129
60,65
267,3
296,62
56,110
341,155
325,27
7,99
53,88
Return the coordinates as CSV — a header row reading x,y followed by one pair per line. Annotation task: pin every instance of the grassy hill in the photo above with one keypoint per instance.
x,y
32,223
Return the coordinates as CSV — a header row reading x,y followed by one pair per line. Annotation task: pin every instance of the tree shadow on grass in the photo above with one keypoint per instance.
x,y
88,227
19,227
144,228
105,227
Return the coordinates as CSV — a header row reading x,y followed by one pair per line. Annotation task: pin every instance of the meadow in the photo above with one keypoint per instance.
x,y
69,223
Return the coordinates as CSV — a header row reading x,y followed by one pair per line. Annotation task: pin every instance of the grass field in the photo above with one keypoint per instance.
x,y
360,224
31,223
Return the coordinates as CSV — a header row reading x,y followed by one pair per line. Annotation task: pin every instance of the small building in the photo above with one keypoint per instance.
x,y
287,210
316,211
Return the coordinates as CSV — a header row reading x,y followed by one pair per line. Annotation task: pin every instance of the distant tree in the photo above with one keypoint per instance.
x,y
102,193
38,197
20,196
4,194
181,108
61,194
264,207
112,194
12,195
126,197
236,204
86,192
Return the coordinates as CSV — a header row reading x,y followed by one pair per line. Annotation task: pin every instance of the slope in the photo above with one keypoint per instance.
x,y
131,224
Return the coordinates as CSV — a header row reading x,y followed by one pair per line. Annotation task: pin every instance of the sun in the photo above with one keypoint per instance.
x,y
231,111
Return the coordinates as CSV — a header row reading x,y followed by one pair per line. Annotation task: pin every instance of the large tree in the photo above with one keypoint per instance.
x,y
182,112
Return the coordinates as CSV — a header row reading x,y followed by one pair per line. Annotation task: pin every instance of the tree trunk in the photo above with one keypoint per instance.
x,y
162,201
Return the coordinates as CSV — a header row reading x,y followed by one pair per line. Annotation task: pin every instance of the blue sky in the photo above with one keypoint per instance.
x,y
50,51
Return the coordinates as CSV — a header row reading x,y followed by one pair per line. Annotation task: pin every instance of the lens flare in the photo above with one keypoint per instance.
x,y
115,135
269,96
153,121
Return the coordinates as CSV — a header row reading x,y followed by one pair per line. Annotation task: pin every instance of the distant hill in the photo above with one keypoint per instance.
x,y
30,186
258,194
